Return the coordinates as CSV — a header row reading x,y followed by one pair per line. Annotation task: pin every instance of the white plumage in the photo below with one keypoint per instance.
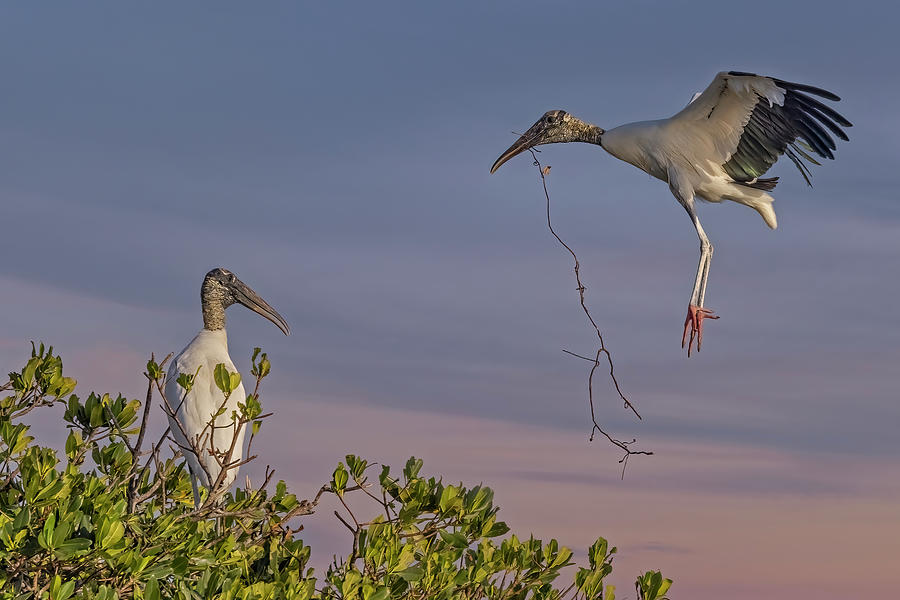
x,y
693,146
193,412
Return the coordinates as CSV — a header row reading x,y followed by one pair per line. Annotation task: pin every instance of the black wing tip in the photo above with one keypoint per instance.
x,y
788,85
810,102
804,170
775,130
802,87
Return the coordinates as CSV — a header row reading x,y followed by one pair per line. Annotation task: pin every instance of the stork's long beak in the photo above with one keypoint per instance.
x,y
246,296
535,136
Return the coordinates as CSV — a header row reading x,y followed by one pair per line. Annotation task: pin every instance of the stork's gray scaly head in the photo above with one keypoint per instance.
x,y
221,288
556,126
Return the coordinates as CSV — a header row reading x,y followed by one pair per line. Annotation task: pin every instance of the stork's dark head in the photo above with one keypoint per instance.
x,y
556,126
221,288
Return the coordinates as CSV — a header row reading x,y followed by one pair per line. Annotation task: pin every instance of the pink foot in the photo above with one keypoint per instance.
x,y
694,324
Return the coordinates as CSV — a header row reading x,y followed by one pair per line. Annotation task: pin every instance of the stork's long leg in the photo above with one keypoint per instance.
x,y
706,252
696,311
699,279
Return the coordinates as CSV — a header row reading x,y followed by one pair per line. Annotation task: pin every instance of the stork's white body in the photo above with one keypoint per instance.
x,y
688,150
194,410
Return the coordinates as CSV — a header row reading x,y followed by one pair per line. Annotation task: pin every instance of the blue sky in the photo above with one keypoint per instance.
x,y
336,158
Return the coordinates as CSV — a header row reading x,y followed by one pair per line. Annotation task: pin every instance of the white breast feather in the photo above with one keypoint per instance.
x,y
193,413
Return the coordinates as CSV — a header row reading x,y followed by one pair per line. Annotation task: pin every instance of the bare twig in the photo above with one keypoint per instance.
x,y
625,446
136,451
9,478
147,402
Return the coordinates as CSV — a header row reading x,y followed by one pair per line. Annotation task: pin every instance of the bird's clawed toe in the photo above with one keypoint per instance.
x,y
694,324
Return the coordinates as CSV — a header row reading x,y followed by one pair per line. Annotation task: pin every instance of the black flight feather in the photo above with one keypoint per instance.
x,y
799,87
773,130
807,101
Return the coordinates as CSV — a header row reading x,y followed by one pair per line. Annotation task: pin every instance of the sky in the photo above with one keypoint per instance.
x,y
336,157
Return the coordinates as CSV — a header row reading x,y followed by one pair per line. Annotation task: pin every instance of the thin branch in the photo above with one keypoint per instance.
x,y
147,402
136,451
194,443
118,428
346,524
9,478
602,350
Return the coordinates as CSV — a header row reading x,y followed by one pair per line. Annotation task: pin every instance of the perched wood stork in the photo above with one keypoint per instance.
x,y
717,148
194,410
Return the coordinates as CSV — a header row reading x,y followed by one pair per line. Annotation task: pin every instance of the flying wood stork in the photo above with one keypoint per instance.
x,y
717,148
191,412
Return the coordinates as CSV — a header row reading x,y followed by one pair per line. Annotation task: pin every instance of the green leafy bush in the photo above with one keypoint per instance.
x,y
116,520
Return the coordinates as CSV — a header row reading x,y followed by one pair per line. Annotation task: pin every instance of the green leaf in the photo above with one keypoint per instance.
x,y
406,557
413,465
265,367
29,370
412,574
63,529
352,462
72,547
382,593
339,479
450,498
457,540
23,518
185,381
180,564
653,586
73,441
65,591
154,371
151,590
223,379
350,585
115,533
46,537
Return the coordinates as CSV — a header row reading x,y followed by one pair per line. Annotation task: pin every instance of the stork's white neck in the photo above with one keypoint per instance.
x,y
204,343
208,334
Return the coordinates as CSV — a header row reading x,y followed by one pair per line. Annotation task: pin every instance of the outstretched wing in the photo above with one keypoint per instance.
x,y
752,120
